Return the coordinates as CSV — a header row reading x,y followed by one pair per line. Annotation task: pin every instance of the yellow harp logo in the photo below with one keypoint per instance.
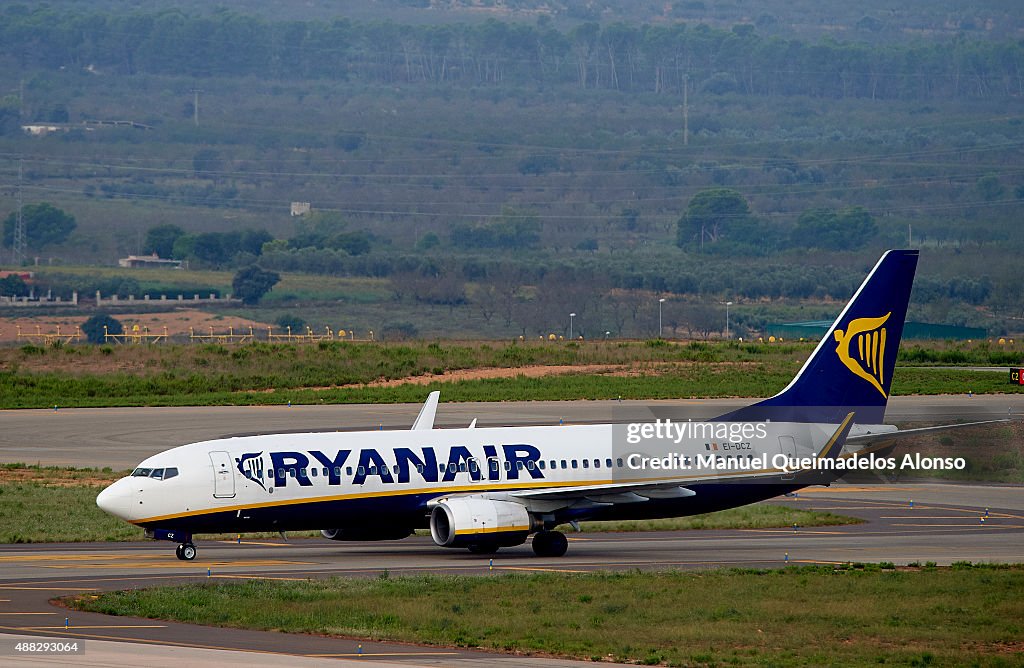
x,y
865,338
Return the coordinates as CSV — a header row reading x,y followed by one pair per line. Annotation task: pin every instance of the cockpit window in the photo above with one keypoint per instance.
x,y
155,474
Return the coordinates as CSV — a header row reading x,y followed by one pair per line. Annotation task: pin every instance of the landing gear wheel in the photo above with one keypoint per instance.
x,y
484,548
550,544
177,552
188,552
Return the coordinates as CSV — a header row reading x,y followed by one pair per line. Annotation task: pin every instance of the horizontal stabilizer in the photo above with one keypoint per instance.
x,y
886,436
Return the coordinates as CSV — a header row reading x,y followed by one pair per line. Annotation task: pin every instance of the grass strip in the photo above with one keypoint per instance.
x,y
705,381
965,615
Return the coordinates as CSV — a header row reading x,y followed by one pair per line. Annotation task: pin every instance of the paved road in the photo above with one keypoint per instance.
x,y
122,437
943,525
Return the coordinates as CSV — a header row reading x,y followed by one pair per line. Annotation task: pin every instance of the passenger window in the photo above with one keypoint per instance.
x,y
280,473
494,465
472,466
564,464
574,464
440,468
530,465
170,473
327,471
348,470
508,466
586,464
419,468
540,464
396,469
608,463
554,464
373,469
618,462
597,463
313,472
361,471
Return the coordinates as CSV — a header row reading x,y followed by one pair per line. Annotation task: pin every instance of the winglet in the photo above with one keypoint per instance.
x,y
425,420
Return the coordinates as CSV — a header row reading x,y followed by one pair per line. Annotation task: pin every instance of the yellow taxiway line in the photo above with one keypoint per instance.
x,y
14,588
536,568
93,626
376,654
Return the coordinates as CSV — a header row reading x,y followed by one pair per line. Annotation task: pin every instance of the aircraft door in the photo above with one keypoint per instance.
x,y
787,446
223,476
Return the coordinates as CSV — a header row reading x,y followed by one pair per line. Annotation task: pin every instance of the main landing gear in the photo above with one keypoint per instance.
x,y
550,544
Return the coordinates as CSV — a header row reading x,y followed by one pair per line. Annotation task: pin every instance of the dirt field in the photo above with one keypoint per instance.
x,y
177,322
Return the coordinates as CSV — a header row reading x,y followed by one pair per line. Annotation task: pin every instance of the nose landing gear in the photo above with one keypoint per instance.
x,y
185,551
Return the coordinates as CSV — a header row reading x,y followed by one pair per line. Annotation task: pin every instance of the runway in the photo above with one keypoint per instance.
x,y
122,437
906,523
944,524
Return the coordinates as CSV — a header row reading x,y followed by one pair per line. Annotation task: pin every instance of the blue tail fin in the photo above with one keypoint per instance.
x,y
851,369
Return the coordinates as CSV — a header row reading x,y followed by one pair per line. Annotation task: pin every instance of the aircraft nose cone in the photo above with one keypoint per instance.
x,y
115,500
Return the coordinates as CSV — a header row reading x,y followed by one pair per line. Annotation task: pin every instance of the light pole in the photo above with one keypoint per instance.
x,y
571,316
727,305
660,302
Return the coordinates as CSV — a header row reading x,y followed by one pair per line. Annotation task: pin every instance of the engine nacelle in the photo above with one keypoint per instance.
x,y
367,533
461,522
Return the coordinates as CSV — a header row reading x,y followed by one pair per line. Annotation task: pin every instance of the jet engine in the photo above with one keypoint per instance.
x,y
471,522
367,533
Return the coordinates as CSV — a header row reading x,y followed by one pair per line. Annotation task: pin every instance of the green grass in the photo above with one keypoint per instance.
x,y
178,375
31,512
966,615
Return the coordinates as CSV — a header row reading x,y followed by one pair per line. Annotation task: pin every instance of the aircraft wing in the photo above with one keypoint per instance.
x,y
668,489
548,499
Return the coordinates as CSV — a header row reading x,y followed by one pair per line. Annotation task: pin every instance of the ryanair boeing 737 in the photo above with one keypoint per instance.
x,y
487,488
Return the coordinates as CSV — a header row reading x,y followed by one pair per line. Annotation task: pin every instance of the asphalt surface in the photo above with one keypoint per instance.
x,y
122,437
906,522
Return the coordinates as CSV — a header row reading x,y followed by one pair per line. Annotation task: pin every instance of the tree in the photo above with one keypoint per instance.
x,y
94,331
715,214
428,241
251,283
288,320
990,188
845,229
45,224
160,240
13,285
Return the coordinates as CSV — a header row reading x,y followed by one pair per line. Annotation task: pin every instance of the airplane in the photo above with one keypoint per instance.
x,y
486,488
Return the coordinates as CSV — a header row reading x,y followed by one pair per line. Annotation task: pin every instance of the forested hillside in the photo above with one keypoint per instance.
x,y
496,170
